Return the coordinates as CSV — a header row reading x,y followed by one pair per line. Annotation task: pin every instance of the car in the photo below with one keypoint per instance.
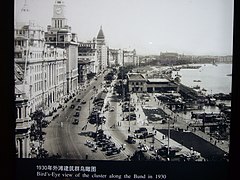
x,y
75,121
79,108
59,106
113,151
140,130
77,114
144,148
78,100
131,139
105,90
83,102
112,109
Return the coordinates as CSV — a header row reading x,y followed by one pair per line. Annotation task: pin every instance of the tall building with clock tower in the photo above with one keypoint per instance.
x,y
59,35
59,20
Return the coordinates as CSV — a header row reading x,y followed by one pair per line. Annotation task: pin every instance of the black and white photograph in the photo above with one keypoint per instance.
x,y
123,81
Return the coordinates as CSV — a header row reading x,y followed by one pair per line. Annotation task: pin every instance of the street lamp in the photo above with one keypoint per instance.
x,y
168,134
129,117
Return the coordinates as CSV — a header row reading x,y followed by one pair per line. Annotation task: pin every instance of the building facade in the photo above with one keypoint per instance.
x,y
43,68
130,58
40,78
59,35
87,51
23,124
137,82
102,51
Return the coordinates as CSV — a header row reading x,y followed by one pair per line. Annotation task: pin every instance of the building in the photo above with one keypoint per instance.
x,y
137,82
120,57
224,59
171,56
43,67
113,57
40,78
130,58
59,35
160,85
102,51
23,122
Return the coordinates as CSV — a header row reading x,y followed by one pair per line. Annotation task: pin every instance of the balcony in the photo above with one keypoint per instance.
x,y
23,124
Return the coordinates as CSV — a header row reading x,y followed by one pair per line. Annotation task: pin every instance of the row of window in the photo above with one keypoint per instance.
x,y
38,86
58,24
31,32
136,83
39,68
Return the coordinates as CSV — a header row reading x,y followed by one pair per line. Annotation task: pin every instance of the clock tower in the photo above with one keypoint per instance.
x,y
58,20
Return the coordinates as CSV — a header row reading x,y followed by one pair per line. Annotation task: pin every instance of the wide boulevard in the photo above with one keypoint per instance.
x,y
69,140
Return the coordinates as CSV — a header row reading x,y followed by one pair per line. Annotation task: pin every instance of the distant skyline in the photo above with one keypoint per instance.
x,y
192,27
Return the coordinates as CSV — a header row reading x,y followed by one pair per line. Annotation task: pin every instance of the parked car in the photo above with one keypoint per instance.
x,y
141,129
75,121
112,109
77,114
112,151
83,102
131,139
79,108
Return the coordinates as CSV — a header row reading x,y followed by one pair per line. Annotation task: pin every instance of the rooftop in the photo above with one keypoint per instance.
x,y
158,80
100,34
135,76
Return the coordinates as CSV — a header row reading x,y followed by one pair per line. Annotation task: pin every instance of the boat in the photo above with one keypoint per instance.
x,y
190,66
196,87
229,74
197,80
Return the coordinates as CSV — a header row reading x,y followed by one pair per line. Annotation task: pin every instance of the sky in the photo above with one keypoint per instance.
x,y
191,27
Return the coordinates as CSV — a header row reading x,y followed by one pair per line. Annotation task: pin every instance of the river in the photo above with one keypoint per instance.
x,y
213,78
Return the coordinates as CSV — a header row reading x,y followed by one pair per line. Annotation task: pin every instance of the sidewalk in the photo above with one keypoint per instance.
x,y
143,122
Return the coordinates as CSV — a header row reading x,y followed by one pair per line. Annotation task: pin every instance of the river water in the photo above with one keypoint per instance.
x,y
213,78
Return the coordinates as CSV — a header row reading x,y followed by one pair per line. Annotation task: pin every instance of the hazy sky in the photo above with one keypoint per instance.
x,y
198,27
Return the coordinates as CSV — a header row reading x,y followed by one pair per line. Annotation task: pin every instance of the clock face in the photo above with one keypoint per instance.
x,y
58,10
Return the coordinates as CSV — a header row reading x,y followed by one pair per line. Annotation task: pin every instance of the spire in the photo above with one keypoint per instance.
x,y
59,2
100,34
23,18
25,7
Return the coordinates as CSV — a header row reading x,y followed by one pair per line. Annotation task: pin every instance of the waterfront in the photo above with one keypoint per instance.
x,y
213,78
